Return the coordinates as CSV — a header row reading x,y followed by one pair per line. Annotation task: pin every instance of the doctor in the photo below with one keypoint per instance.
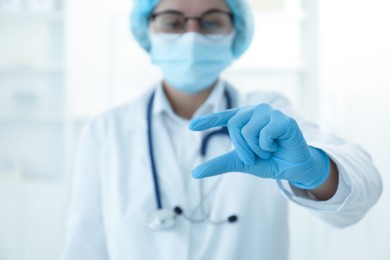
x,y
134,196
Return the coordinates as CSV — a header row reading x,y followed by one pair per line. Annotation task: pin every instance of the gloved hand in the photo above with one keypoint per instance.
x,y
267,143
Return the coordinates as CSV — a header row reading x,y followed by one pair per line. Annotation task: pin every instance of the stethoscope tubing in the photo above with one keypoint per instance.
x,y
156,185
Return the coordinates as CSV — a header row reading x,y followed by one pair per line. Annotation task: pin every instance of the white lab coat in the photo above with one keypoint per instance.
x,y
113,193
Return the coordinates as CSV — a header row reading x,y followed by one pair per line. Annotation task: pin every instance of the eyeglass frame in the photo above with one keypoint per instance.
x,y
198,19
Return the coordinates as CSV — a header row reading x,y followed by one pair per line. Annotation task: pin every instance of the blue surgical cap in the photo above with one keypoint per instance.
x,y
243,23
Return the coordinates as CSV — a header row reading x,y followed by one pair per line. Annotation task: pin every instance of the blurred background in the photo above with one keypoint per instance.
x,y
63,61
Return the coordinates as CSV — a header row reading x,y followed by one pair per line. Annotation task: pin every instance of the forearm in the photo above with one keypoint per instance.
x,y
329,187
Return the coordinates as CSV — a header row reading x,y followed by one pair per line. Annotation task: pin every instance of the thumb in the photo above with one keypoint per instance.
x,y
229,162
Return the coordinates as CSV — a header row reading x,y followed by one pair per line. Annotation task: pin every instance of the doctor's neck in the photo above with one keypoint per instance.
x,y
184,104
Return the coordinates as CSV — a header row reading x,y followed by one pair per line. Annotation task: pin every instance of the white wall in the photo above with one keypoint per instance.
x,y
355,95
354,76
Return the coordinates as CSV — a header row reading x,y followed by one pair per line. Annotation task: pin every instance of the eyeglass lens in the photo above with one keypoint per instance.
x,y
211,23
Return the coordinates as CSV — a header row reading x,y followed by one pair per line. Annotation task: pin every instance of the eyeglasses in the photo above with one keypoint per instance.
x,y
213,24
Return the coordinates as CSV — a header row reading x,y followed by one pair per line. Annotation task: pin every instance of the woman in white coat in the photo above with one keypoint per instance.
x,y
133,194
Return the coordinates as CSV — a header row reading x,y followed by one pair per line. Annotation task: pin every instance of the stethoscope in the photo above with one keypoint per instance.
x,y
163,218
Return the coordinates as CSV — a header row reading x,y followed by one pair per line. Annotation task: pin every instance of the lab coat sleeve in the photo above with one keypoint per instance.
x,y
85,234
360,184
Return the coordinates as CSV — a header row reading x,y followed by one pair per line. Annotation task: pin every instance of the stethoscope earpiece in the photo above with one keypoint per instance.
x,y
178,210
232,219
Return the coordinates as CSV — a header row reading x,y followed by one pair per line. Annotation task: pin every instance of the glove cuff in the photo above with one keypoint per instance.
x,y
318,172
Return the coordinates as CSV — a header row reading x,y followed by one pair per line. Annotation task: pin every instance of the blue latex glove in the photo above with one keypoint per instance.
x,y
268,144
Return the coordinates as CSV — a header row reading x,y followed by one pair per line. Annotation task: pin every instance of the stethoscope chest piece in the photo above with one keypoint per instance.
x,y
161,219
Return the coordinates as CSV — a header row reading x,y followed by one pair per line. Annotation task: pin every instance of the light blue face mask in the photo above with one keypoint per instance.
x,y
192,62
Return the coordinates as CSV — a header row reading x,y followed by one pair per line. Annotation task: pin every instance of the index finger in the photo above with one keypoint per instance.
x,y
212,120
